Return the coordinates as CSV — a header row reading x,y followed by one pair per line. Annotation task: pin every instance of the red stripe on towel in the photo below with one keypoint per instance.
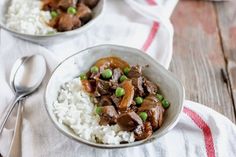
x,y
153,31
205,129
151,36
151,2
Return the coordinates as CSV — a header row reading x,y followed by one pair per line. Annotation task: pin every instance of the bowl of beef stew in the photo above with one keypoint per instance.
x,y
113,97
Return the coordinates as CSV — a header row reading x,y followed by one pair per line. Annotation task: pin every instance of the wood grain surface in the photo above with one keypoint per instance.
x,y
201,50
226,14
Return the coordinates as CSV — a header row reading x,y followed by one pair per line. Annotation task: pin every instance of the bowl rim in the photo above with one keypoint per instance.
x,y
106,146
77,30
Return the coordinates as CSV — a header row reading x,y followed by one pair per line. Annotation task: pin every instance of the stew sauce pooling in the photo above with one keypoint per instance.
x,y
69,14
124,96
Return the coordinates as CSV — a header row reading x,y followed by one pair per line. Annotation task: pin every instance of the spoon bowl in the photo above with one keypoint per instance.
x,y
30,75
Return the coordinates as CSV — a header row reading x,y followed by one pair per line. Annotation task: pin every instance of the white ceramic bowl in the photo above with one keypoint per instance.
x,y
81,61
53,38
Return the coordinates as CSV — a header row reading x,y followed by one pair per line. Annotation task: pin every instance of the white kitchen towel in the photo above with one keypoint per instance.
x,y
200,132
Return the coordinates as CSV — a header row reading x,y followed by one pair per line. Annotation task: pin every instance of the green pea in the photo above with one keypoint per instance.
x,y
94,69
54,14
71,10
83,76
143,116
98,110
139,100
159,97
106,74
122,78
126,70
119,92
165,103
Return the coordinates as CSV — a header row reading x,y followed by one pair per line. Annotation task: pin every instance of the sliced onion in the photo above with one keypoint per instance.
x,y
113,62
129,95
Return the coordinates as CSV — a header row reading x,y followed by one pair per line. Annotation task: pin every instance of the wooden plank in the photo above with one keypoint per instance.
x,y
226,14
232,76
198,57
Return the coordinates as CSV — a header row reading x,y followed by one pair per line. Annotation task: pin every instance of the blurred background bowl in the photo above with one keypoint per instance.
x,y
80,62
52,38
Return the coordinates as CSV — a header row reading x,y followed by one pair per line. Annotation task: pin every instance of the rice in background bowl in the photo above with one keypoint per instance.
x,y
26,16
80,62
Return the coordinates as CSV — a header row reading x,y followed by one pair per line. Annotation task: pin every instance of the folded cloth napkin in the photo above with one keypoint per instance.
x,y
200,131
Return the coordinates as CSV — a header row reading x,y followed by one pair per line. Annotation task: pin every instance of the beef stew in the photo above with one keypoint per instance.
x,y
67,15
124,96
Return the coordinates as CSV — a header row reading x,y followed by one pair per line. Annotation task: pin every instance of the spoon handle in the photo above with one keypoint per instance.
x,y
15,148
8,111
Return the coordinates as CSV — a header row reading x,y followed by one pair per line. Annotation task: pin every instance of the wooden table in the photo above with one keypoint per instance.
x,y
205,53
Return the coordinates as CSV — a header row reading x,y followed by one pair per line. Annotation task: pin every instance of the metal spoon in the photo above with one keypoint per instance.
x,y
15,147
27,79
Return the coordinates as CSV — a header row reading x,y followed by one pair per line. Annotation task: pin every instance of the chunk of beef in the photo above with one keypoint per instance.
x,y
77,23
133,107
143,131
68,22
114,85
49,5
102,87
150,87
154,109
54,22
128,121
105,100
108,115
116,74
64,4
90,3
135,71
116,100
84,13
138,88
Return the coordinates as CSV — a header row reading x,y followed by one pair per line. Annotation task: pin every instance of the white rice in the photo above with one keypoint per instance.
x,y
74,108
26,16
